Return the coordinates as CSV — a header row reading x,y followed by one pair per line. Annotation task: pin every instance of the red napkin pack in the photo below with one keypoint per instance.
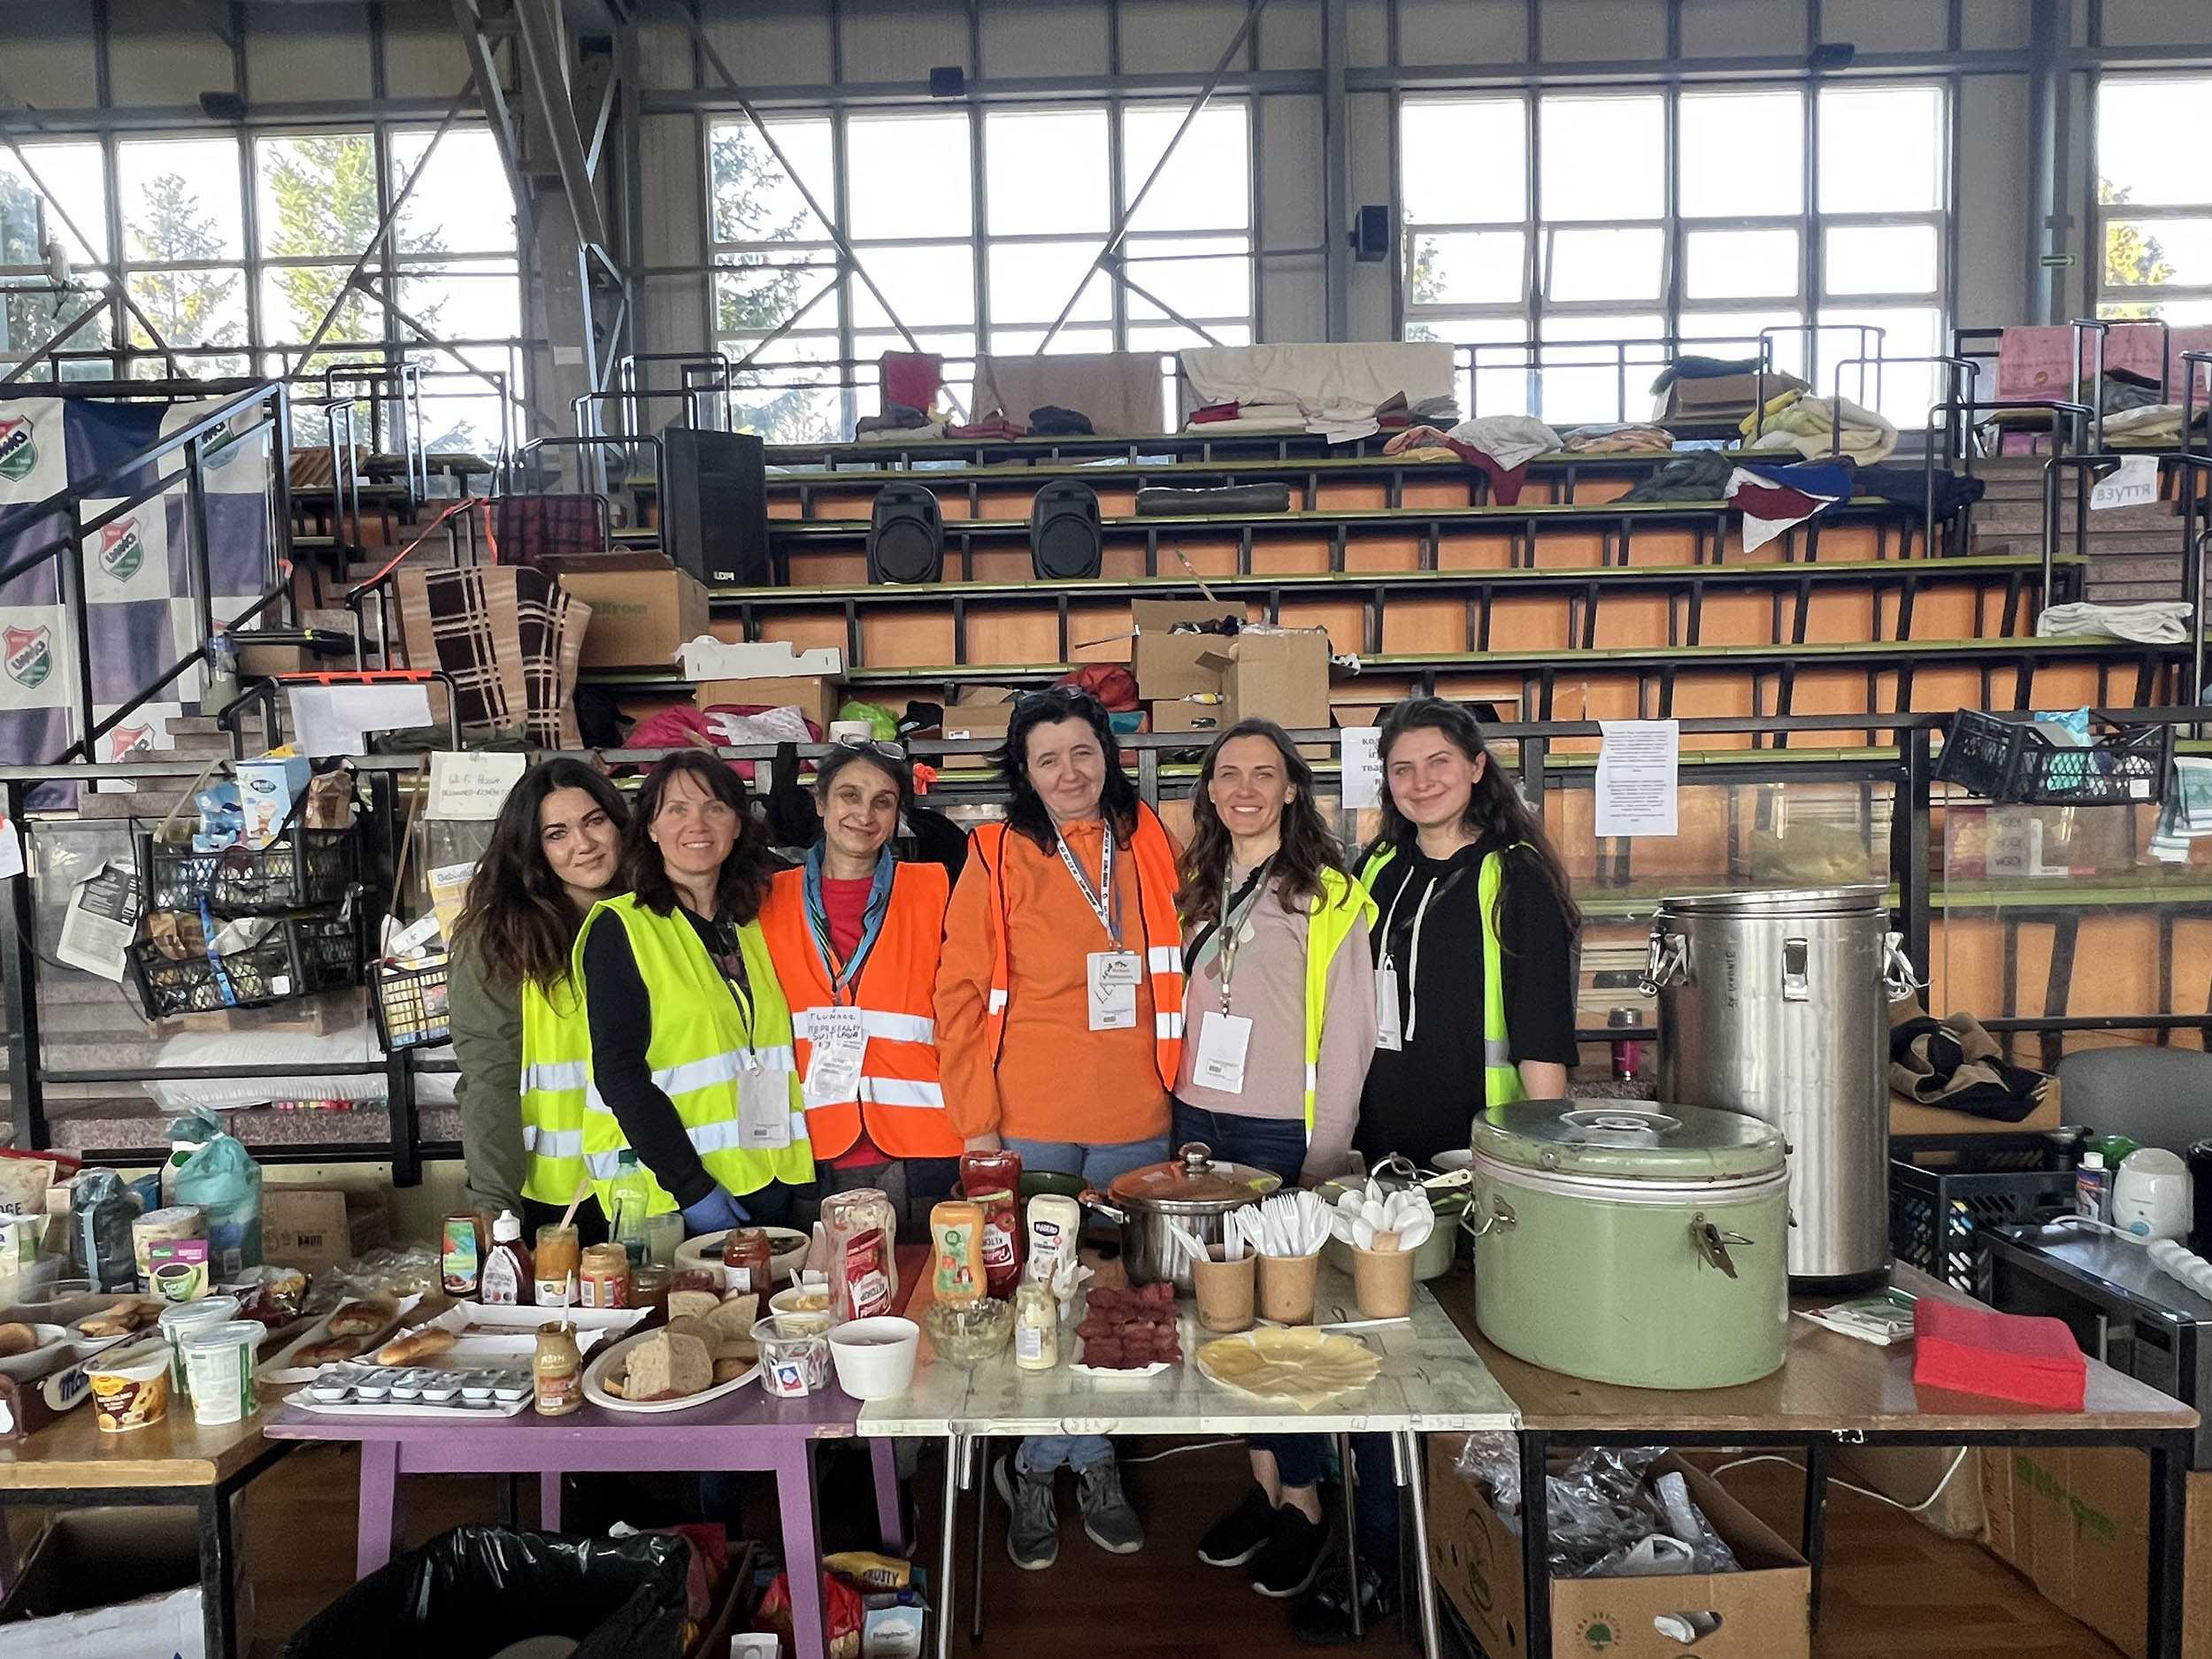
x,y
1977,1350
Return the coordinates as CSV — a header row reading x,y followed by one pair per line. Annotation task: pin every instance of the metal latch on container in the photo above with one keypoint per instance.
x,y
1666,962
1897,977
1794,988
1500,1219
1712,1243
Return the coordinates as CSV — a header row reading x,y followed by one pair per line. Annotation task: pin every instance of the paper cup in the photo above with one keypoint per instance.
x,y
130,1389
794,1357
174,1322
1287,1287
875,1357
219,1364
1382,1282
1224,1291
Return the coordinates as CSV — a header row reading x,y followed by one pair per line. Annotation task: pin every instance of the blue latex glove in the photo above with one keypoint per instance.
x,y
716,1212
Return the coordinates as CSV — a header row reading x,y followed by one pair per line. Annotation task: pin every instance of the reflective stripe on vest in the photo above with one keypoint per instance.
x,y
898,1100
699,1046
1501,1079
1153,855
555,1072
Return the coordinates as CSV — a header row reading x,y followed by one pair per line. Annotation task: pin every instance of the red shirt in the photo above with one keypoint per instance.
x,y
845,907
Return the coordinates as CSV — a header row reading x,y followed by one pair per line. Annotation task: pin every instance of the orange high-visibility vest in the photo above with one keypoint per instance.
x,y
899,1099
1158,936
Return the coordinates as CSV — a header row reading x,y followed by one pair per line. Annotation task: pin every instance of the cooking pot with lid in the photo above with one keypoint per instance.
x,y
1628,1244
1193,1191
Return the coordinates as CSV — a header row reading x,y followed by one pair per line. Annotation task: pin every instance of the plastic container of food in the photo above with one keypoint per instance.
x,y
219,1363
175,1321
806,1302
875,1357
130,1386
794,1356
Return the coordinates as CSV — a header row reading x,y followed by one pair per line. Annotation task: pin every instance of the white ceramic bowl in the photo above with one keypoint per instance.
x,y
875,1357
45,1358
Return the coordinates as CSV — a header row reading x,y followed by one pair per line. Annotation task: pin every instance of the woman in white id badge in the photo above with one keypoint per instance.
x,y
855,933
692,1065
1279,1023
1060,1020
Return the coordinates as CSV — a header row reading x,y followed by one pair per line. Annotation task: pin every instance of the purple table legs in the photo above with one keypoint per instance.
x,y
383,1520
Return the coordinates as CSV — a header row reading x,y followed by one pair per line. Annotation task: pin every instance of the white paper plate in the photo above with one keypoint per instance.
x,y
280,1369
511,1333
788,1253
613,1360
1115,1373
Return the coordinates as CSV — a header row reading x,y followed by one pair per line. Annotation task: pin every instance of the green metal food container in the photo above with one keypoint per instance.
x,y
1646,1246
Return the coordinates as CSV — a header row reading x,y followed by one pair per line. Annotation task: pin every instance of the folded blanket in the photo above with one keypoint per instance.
x,y
1119,391
1511,440
510,637
1954,1064
1344,374
1230,498
1808,425
2160,622
1634,439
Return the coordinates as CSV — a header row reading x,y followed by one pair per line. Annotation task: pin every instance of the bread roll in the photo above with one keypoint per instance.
x,y
329,1351
359,1318
730,1370
412,1350
17,1339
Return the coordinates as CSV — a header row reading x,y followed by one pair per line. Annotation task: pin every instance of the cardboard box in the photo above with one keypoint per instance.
x,y
110,1582
815,696
1720,394
2076,1520
315,1227
982,713
1181,715
1280,674
1912,1475
707,657
1166,665
1763,1609
641,612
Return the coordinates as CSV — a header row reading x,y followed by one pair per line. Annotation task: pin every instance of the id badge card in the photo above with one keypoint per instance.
x,y
1112,976
1387,1024
836,1045
1221,1040
764,1108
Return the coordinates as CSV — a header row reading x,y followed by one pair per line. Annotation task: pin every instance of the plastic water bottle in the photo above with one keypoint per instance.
x,y
630,1201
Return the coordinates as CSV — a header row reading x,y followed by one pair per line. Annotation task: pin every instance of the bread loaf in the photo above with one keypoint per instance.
x,y
330,1350
360,1318
668,1365
692,1303
735,1316
412,1350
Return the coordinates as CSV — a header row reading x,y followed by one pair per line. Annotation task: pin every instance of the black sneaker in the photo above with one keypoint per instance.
x,y
1292,1560
1323,1617
1240,1534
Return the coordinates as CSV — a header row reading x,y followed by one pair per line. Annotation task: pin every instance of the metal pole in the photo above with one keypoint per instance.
x,y
49,348
114,267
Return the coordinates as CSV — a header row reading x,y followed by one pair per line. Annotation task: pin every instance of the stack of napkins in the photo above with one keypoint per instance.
x,y
2005,1355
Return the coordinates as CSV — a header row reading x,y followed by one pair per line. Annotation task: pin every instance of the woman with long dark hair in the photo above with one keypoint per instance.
x,y
1060,1022
1474,969
691,1054
1278,1026
517,1017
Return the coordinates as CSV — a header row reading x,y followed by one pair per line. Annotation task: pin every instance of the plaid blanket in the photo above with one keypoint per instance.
x,y
530,528
509,636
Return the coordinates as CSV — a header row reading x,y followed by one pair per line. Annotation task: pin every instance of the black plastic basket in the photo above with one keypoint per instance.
x,y
1937,1217
298,956
410,1005
2010,761
301,869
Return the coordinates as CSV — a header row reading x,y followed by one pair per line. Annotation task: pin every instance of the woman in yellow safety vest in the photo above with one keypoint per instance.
x,y
517,1015
691,1060
1278,1026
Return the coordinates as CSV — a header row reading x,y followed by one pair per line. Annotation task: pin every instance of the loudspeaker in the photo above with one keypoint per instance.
x,y
714,506
1370,234
906,535
1064,532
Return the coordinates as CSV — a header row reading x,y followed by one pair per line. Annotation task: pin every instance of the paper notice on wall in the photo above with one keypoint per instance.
x,y
1638,764
335,719
11,849
2133,483
472,786
100,921
1362,778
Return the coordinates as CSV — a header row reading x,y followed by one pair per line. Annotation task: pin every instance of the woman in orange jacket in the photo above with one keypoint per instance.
x,y
1060,1019
855,935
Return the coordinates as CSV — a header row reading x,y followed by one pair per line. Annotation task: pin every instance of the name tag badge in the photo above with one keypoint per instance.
x,y
763,1110
836,1045
1221,1040
1113,976
1387,1024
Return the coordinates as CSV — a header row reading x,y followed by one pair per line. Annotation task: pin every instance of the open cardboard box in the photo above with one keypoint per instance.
x,y
1280,674
1763,1610
110,1582
1167,664
643,607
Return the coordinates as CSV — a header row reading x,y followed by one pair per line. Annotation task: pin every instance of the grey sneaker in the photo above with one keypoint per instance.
x,y
1112,1524
1032,1536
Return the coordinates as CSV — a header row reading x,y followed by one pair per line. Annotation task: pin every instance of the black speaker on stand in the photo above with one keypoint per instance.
x,y
1065,532
714,506
906,535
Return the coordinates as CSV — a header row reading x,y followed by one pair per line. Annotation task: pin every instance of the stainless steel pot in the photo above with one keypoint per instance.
x,y
1777,1004
1192,1191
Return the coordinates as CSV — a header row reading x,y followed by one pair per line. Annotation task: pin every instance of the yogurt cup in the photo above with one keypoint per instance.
x,y
176,1320
219,1366
130,1388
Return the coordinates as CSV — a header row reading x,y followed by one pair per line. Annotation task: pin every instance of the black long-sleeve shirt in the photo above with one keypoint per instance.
x,y
620,1010
1422,1098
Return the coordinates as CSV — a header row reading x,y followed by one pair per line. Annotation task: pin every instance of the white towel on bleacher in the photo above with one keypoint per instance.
x,y
2159,622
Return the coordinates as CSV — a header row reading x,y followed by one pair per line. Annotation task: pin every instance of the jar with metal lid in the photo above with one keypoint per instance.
x,y
747,1260
1194,1189
1648,1246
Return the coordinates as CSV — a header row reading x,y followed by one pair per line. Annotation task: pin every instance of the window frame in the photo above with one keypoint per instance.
x,y
2119,300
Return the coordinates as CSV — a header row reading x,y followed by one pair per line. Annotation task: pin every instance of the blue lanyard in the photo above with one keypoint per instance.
x,y
843,976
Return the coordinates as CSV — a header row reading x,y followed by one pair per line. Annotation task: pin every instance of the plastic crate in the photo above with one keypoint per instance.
x,y
410,1005
301,869
298,956
2011,761
1937,1216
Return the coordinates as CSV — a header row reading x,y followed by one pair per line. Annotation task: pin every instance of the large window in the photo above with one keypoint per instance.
x,y
2153,199
980,229
65,185
1602,217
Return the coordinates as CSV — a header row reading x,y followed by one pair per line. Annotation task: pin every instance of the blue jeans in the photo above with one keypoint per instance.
x,y
1275,1144
1101,1166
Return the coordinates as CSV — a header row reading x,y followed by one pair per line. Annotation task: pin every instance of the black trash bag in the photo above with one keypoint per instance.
x,y
471,1592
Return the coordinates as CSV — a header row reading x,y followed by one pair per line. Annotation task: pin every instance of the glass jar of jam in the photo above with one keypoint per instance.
x,y
649,1286
555,1265
747,1260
